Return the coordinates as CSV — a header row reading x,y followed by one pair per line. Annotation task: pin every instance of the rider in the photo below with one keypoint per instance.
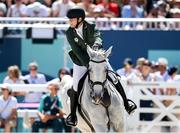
x,y
80,34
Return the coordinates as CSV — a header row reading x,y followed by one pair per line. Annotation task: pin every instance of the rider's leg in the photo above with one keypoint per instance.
x,y
130,106
78,72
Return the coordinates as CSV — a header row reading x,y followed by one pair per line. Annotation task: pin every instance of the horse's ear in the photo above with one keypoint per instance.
x,y
89,51
108,52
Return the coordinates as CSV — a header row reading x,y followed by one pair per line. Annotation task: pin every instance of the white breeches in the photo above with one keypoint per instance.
x,y
78,72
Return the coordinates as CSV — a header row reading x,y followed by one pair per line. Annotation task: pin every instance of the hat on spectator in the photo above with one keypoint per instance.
x,y
162,61
128,61
175,10
76,13
140,60
6,86
147,63
172,70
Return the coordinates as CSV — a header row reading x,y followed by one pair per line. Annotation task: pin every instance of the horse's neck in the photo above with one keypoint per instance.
x,y
86,90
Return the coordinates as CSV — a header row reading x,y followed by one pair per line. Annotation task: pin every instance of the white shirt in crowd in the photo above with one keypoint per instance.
x,y
7,106
175,79
10,81
62,7
13,11
161,77
123,73
37,9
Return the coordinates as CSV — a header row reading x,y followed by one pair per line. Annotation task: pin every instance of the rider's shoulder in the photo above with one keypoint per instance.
x,y
69,30
90,23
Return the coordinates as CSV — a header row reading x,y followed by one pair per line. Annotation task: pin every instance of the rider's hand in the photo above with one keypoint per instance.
x,y
95,47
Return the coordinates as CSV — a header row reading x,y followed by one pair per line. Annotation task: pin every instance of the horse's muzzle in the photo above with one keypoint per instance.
x,y
96,99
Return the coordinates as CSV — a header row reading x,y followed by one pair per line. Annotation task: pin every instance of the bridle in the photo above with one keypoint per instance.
x,y
93,83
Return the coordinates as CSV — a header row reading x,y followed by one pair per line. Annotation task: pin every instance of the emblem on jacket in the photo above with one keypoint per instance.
x,y
76,39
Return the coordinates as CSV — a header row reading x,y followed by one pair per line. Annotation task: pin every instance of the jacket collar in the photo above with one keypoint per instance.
x,y
84,32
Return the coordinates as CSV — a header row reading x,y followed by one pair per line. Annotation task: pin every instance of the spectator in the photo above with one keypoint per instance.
x,y
146,74
17,10
162,74
8,109
60,8
162,9
48,3
8,3
127,70
14,77
132,11
61,73
36,9
153,13
113,8
139,64
50,111
175,12
3,9
173,77
88,7
34,78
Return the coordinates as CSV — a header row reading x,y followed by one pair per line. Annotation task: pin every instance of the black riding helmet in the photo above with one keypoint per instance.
x,y
76,13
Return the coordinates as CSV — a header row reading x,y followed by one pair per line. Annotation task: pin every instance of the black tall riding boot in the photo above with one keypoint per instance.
x,y
71,120
130,106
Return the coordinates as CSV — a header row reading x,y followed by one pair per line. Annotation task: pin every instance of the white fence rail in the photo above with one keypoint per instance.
x,y
158,110
102,23
137,92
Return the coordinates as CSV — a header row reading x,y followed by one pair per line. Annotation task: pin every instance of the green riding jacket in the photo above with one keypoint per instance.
x,y
78,45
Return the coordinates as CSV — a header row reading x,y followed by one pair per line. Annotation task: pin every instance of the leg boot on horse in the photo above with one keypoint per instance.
x,y
71,120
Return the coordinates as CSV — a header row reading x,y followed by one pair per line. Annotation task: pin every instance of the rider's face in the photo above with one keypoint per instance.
x,y
73,22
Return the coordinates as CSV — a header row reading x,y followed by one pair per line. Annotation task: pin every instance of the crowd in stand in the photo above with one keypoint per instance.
x,y
50,108
93,8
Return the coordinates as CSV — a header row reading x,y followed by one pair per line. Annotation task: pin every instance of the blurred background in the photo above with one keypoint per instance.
x,y
145,35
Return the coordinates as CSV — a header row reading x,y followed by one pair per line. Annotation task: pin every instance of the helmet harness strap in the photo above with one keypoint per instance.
x,y
78,22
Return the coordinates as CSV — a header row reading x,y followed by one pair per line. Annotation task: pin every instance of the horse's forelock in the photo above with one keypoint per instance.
x,y
99,54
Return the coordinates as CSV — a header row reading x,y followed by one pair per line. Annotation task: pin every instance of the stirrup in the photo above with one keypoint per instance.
x,y
69,121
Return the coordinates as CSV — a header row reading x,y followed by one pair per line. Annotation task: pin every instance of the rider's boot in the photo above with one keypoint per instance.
x,y
71,120
130,106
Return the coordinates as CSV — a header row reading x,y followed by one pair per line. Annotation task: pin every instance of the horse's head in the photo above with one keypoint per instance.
x,y
98,72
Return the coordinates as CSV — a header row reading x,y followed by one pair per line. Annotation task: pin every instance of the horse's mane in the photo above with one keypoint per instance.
x,y
99,54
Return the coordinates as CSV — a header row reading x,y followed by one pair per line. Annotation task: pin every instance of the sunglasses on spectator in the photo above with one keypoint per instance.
x,y
33,69
3,89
